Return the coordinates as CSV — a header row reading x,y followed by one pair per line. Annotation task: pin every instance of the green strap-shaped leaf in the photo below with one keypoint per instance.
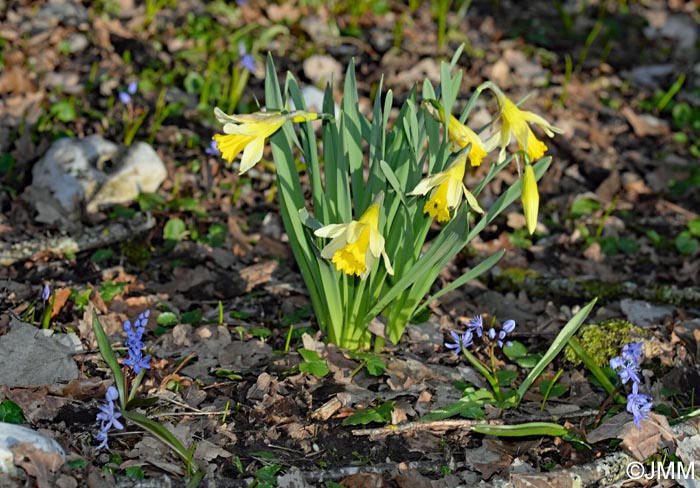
x,y
522,430
559,343
110,358
473,273
163,435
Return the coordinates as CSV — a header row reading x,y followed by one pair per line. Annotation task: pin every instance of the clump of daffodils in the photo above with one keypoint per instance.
x,y
362,242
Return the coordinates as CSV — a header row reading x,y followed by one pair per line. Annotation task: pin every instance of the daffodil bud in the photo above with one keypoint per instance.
x,y
530,198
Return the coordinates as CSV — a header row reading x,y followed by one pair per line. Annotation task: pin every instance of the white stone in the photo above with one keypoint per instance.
x,y
93,172
12,434
141,171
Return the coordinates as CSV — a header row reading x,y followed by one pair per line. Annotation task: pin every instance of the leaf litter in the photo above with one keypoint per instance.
x,y
236,393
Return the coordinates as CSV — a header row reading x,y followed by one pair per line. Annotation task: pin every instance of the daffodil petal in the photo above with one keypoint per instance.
x,y
332,247
376,242
224,118
548,128
354,231
492,142
427,184
331,230
387,264
252,154
369,264
471,200
262,118
240,129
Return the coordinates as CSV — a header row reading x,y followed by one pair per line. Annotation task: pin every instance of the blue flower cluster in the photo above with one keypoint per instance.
x,y
108,417
475,327
136,359
247,59
627,367
507,327
125,96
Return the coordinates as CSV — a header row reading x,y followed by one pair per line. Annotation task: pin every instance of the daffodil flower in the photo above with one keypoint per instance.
x,y
530,198
247,133
514,122
357,245
461,135
449,191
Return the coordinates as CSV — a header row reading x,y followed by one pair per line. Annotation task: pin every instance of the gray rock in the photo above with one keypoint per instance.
x,y
92,172
643,313
292,479
77,42
11,435
55,12
24,344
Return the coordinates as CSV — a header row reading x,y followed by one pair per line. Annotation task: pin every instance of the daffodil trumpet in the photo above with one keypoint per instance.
x,y
448,190
248,132
356,246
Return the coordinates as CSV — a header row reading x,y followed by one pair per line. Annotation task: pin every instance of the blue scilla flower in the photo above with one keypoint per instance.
x,y
627,365
627,370
125,96
476,325
212,149
136,360
45,293
460,341
639,405
633,352
108,417
456,346
507,327
247,60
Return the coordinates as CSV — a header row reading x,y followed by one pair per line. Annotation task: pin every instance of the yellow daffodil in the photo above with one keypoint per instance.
x,y
514,122
461,135
355,246
248,132
530,198
449,191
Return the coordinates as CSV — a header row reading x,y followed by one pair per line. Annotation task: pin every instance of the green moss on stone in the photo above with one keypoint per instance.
x,y
603,341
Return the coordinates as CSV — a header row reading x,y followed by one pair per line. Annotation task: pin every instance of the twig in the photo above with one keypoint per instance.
x,y
91,238
435,425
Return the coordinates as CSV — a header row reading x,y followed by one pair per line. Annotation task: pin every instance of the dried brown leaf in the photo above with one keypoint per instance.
x,y
37,463
365,480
